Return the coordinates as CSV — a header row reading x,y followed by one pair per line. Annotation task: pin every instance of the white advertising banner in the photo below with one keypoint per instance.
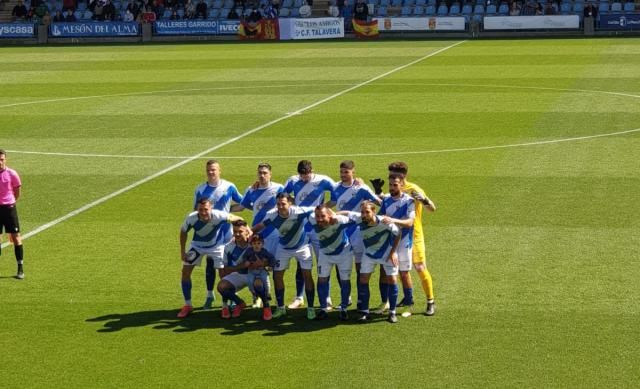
x,y
421,24
316,28
531,22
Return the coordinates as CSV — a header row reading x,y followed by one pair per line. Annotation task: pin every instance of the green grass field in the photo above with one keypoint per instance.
x,y
534,248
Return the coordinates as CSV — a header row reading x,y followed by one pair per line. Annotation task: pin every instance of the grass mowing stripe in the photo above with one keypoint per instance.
x,y
211,149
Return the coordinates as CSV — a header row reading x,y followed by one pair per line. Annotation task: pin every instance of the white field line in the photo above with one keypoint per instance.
x,y
269,157
164,171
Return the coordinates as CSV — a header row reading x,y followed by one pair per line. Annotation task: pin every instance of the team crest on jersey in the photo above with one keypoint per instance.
x,y
260,204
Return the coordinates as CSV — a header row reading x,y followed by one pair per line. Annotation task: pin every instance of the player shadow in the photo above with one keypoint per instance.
x,y
250,321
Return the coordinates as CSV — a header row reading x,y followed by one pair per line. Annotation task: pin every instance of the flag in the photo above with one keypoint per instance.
x,y
250,30
364,29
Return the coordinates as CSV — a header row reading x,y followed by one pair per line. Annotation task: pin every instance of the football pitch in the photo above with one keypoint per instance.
x,y
529,148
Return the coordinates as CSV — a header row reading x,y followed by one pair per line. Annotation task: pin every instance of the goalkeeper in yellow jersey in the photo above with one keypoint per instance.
x,y
418,251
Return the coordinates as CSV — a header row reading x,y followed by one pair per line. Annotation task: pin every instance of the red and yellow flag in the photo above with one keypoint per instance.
x,y
268,29
364,29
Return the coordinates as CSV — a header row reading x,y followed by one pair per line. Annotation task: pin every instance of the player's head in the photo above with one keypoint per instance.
x,y
264,173
3,159
395,184
241,231
323,216
305,170
204,208
368,211
347,169
283,202
399,167
213,170
257,242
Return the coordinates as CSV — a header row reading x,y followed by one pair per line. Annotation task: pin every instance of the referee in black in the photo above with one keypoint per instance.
x,y
9,193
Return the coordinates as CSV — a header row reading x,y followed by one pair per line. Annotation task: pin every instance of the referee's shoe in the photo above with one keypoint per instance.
x,y
20,274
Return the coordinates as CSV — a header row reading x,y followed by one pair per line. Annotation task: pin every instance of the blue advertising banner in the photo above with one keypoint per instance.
x,y
620,22
186,27
228,27
17,30
89,29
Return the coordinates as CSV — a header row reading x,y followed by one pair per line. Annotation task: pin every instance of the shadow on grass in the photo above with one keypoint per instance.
x,y
198,320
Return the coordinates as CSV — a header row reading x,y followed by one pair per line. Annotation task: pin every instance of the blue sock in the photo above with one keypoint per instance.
x,y
299,283
210,274
311,296
384,292
408,296
280,297
323,293
393,296
186,290
345,292
363,296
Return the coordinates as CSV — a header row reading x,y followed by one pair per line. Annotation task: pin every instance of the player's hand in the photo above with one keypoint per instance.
x,y
418,196
377,184
386,220
393,259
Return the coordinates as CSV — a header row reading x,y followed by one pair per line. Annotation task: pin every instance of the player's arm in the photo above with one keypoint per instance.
x,y
237,208
183,245
402,223
233,218
16,192
393,256
421,197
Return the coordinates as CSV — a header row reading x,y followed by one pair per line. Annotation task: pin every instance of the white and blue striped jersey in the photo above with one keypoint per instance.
x,y
233,255
402,208
206,235
220,197
333,238
349,198
309,194
292,228
378,239
261,201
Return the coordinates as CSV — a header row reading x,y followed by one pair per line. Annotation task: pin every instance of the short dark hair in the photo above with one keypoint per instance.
x,y
239,223
257,238
212,161
368,204
284,195
2,152
396,176
398,167
304,167
264,165
203,200
348,164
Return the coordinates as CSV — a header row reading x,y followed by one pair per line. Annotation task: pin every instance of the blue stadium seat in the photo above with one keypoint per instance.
x,y
82,6
491,10
603,8
503,9
443,10
180,13
478,9
214,13
405,11
216,4
565,8
228,4
616,7
384,3
382,11
421,2
467,10
166,14
455,9
629,6
409,3
430,10
418,10
295,12
284,13
431,2
578,8
297,3
396,3
287,3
